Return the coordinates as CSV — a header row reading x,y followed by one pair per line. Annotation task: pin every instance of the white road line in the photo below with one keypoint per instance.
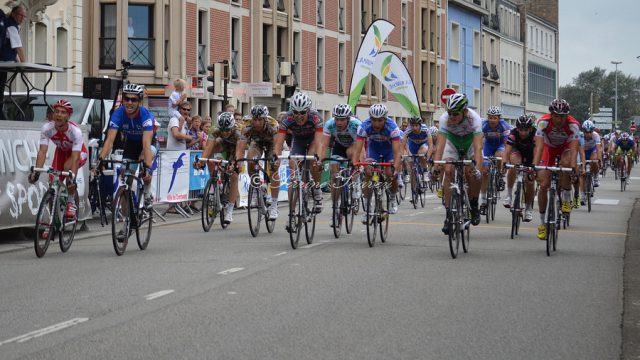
x,y
634,178
279,254
310,246
158,294
416,213
45,331
430,196
606,202
232,293
229,271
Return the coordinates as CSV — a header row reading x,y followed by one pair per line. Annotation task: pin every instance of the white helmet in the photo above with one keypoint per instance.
x,y
378,111
342,111
226,121
494,111
300,102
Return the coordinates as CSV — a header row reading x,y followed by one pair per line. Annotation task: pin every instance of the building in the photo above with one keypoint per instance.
x,y
269,44
464,48
512,57
490,57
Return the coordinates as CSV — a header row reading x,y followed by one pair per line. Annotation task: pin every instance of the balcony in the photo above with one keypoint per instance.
x,y
433,35
341,81
141,52
495,22
107,53
319,78
485,70
201,58
266,4
265,68
494,72
280,59
294,73
234,64
281,6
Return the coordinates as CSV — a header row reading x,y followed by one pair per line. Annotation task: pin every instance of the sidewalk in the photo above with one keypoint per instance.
x,y
631,283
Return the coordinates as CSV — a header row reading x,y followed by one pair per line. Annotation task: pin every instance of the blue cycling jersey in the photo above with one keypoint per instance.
x,y
419,138
344,137
380,140
132,128
498,136
625,147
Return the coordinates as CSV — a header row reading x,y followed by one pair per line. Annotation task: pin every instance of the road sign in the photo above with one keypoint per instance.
x,y
633,128
445,94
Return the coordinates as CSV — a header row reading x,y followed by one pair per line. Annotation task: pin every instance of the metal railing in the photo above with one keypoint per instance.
x,y
141,52
404,34
280,59
432,95
494,72
433,35
424,40
201,58
107,52
485,69
265,68
319,78
296,9
234,64
363,22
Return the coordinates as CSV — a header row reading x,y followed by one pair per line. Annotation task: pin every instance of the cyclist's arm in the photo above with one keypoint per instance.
x,y
277,147
477,147
574,146
108,143
582,154
506,158
537,150
147,154
241,145
75,161
208,147
397,155
359,144
440,149
318,138
599,152
42,154
430,145
324,144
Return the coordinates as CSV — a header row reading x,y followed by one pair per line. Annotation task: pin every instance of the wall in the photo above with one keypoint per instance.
x,y
463,72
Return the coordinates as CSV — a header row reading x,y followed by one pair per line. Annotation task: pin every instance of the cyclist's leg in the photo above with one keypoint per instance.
x,y
487,150
565,180
474,188
423,150
500,153
515,159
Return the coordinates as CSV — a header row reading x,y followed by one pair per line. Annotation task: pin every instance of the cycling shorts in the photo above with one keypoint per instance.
x,y
549,154
491,150
414,149
374,154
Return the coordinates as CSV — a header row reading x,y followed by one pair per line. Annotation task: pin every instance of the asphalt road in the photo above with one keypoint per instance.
x,y
226,295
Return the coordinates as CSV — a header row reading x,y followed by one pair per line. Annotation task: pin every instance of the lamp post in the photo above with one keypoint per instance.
x,y
615,121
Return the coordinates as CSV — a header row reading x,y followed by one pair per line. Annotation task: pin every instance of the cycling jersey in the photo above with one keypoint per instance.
x,y
227,143
260,137
66,142
302,135
590,144
345,137
460,136
523,146
416,140
132,130
558,137
379,142
625,147
494,138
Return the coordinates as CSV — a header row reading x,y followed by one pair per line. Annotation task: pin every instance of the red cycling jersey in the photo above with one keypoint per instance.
x,y
66,142
556,139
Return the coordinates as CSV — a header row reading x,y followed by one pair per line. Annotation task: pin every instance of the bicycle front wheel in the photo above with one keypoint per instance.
x,y
453,218
515,211
309,216
254,209
143,229
372,219
414,188
589,185
45,223
121,221
295,218
384,215
465,224
209,209
224,194
68,230
337,204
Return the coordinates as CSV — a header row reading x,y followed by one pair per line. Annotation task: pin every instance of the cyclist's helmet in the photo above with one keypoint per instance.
x,y
259,111
588,125
559,107
434,130
226,121
342,111
63,104
378,111
494,111
457,102
524,122
133,89
624,136
606,137
300,102
415,120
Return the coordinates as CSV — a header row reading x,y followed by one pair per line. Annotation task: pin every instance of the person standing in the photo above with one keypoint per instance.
x,y
12,47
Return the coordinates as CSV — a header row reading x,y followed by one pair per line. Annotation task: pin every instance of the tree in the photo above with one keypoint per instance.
x,y
602,85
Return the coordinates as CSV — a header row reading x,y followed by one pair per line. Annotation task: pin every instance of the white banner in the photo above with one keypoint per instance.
x,y
392,72
377,33
174,176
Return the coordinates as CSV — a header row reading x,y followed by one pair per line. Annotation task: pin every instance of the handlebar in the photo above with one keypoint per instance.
x,y
365,163
217,161
553,168
50,170
463,162
298,157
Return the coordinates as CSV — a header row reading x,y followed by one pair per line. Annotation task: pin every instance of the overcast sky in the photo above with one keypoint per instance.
x,y
596,32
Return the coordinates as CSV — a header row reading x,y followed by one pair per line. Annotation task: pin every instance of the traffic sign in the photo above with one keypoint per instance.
x,y
445,95
633,128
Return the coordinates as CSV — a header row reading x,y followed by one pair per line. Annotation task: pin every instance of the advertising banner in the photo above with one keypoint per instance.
x,y
197,178
174,176
376,34
392,72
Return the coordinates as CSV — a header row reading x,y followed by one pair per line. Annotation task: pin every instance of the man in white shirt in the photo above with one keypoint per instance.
x,y
12,47
179,138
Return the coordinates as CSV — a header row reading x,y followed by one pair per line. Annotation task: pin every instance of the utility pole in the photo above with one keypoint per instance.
x,y
615,121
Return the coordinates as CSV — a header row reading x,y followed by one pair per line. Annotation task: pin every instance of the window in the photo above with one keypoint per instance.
x,y
295,65
296,9
476,48
454,43
341,66
476,97
320,63
235,48
404,25
341,16
542,84
266,51
320,11
140,34
202,41
107,41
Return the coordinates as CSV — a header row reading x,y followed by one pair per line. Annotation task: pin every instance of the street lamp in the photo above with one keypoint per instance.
x,y
615,121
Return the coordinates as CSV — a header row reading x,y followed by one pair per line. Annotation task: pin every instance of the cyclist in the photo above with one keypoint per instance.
x,y
383,137
135,123
404,126
592,151
305,126
342,130
417,140
460,131
496,131
70,154
625,146
259,132
519,151
225,139
558,134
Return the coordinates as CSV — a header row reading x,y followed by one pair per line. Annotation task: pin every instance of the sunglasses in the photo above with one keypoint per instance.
x,y
130,99
299,112
452,113
341,118
185,109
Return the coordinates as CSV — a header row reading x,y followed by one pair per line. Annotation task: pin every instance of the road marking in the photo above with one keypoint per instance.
x,y
45,331
606,202
158,294
310,246
279,254
416,214
634,178
229,271
232,292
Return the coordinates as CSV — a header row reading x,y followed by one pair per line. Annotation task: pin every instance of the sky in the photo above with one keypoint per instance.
x,y
596,32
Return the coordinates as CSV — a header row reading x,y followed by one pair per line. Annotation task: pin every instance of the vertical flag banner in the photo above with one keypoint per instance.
x,y
376,34
392,72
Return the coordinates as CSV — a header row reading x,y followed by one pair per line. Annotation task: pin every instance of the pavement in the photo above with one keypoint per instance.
x,y
631,314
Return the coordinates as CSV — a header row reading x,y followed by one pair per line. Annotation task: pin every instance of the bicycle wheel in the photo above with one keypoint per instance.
x,y
372,219
453,217
487,210
121,221
68,230
423,189
144,223
515,216
209,209
494,199
254,209
45,223
271,223
224,200
337,205
295,218
347,209
589,189
414,188
384,215
465,225
309,216
551,221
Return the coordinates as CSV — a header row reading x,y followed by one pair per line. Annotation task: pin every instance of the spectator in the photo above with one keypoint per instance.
x,y
196,132
177,96
179,138
12,47
229,108
206,127
237,116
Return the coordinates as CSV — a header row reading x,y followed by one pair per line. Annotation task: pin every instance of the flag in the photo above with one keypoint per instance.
x,y
393,74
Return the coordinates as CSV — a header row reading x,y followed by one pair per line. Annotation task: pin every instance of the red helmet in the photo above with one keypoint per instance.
x,y
63,104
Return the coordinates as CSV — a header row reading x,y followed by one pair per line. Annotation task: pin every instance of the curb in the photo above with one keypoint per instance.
x,y
630,327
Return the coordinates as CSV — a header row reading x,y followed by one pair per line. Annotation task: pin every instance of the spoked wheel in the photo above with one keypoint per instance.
x,y
224,194
494,203
121,221
310,221
68,231
295,219
271,223
414,189
254,209
45,224
336,213
145,223
487,210
465,226
384,218
347,209
423,189
453,218
589,191
515,213
372,219
209,210
403,192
